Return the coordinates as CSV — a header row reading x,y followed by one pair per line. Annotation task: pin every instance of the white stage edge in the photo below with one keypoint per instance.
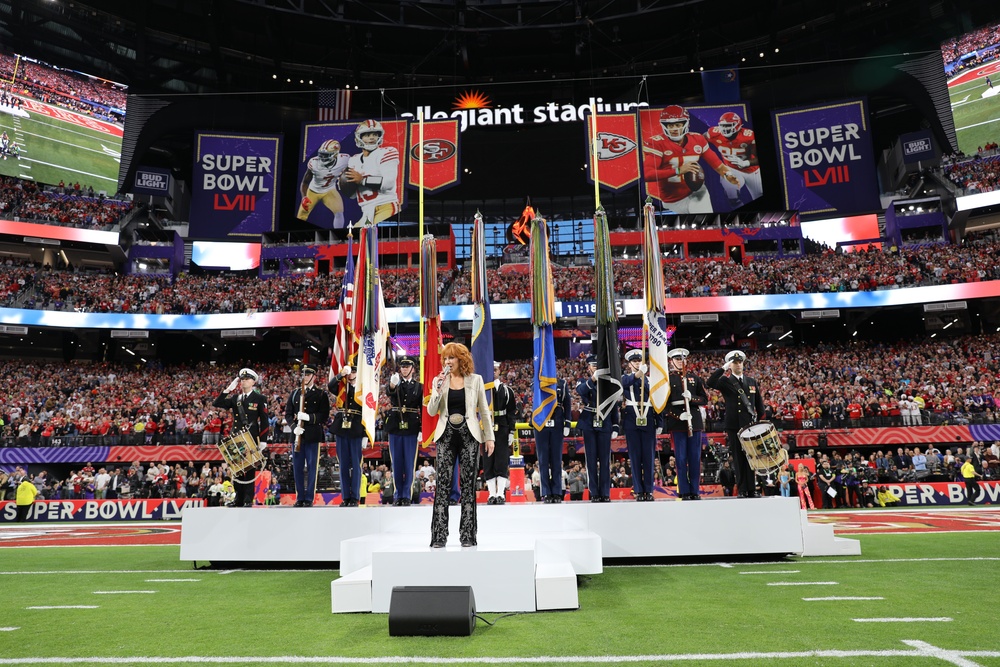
x,y
538,548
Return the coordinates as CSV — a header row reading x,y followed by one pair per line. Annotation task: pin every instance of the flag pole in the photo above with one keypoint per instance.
x,y
420,224
594,155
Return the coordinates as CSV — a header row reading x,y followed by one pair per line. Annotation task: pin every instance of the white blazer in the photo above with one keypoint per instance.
x,y
480,425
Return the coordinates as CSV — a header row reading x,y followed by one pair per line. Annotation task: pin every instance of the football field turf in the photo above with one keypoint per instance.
x,y
909,599
53,149
976,108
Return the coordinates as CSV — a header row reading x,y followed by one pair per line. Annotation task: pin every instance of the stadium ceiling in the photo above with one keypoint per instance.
x,y
203,46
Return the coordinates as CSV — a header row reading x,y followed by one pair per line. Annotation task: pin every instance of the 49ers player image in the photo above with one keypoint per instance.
x,y
672,164
371,174
738,147
320,182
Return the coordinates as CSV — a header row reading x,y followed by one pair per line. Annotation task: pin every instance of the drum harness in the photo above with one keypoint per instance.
x,y
241,411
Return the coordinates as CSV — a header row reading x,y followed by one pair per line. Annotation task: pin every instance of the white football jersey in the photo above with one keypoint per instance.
x,y
324,178
384,162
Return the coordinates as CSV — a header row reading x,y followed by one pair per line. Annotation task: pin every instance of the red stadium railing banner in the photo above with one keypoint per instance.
x,y
441,153
148,509
618,150
827,160
234,189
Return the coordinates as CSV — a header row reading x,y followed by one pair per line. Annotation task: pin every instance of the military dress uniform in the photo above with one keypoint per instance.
x,y
305,458
639,421
744,406
496,466
350,434
687,447
597,435
549,446
403,427
249,412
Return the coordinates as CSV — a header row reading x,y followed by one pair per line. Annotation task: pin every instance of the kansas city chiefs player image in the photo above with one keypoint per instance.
x,y
320,182
672,164
371,174
738,147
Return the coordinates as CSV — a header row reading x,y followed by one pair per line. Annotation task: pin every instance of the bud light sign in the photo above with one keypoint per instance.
x,y
151,181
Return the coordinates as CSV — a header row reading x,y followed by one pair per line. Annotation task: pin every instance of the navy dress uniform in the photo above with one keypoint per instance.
x,y
249,412
350,435
406,396
549,446
639,421
683,420
597,434
309,423
744,406
496,466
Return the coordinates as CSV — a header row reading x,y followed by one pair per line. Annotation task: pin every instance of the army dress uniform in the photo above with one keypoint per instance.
x,y
549,446
639,421
403,426
597,434
350,435
315,404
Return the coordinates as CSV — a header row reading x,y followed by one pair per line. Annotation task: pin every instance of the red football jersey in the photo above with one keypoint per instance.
x,y
662,157
743,146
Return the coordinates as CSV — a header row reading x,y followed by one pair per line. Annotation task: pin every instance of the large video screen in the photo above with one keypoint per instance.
x,y
843,233
972,66
59,124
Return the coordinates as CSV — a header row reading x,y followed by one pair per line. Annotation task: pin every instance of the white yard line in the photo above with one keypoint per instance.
x,y
905,619
772,572
845,597
66,606
125,592
803,583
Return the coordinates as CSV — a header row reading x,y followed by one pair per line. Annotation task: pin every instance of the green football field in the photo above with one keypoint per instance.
x,y
977,118
54,150
936,605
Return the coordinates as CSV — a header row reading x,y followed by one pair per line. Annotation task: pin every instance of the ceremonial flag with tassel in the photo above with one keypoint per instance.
x,y
344,343
482,321
430,364
655,320
373,330
542,318
609,367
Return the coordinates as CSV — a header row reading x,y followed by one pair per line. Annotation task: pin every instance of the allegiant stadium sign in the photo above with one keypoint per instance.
x,y
517,114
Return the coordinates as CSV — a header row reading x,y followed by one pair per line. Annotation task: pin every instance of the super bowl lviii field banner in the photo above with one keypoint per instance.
x,y
699,159
234,190
827,164
441,154
351,172
617,150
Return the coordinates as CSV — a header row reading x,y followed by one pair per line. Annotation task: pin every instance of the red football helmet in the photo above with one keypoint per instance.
x,y
729,124
679,118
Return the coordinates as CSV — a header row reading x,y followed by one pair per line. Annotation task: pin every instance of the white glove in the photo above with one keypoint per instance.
x,y
302,416
420,438
687,395
643,368
345,371
726,366
614,433
565,431
263,445
394,379
685,417
741,162
298,430
233,385
364,443
510,439
659,430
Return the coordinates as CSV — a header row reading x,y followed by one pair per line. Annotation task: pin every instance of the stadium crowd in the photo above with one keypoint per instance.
x,y
62,87
930,264
67,206
978,174
978,40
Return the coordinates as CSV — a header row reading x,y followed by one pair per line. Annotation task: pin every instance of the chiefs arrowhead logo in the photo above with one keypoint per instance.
x,y
611,146
370,400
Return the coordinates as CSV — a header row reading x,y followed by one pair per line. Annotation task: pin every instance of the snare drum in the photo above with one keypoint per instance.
x,y
240,451
762,446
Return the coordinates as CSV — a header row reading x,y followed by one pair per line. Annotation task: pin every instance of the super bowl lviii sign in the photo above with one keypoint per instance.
x,y
827,164
234,189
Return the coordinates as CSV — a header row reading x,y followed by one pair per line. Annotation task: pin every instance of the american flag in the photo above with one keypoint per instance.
x,y
344,344
334,104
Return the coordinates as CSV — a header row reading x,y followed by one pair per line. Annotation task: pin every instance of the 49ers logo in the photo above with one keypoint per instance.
x,y
611,146
435,150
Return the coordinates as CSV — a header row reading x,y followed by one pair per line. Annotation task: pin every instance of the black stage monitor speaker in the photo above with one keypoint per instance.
x,y
432,610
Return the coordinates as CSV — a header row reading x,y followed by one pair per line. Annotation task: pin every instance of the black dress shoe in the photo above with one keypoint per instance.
x,y
694,496
491,500
307,503
501,500
649,498
299,503
595,499
605,499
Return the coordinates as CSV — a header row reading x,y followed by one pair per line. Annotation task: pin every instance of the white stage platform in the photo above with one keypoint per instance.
x,y
539,548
